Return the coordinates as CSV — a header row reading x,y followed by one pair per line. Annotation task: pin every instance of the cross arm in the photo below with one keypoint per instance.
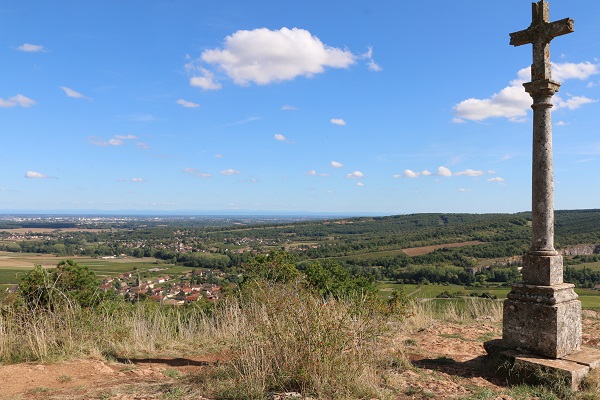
x,y
545,31
522,37
559,28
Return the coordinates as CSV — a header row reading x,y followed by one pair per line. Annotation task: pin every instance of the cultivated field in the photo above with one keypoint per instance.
x,y
419,251
12,265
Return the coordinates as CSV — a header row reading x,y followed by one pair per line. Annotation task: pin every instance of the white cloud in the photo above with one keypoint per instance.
x,y
426,173
355,175
230,172
560,123
496,179
114,142
72,93
137,180
338,121
203,175
373,66
463,190
35,175
443,171
31,48
279,137
206,81
142,145
18,100
360,184
187,104
336,164
470,172
581,71
287,107
218,155
572,103
263,56
312,172
513,102
409,173
117,140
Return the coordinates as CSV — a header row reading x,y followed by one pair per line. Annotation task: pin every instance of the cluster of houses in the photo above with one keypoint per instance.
x,y
161,289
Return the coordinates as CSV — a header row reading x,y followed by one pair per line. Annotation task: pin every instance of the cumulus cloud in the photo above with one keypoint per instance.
x,y
31,48
205,81
35,175
337,121
581,71
74,94
137,180
408,173
463,190
312,172
336,164
263,56
203,175
355,175
560,123
572,103
287,107
230,172
513,102
187,104
360,184
279,137
443,171
18,100
470,172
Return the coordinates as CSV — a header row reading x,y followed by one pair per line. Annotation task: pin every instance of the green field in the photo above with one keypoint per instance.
x,y
590,299
12,265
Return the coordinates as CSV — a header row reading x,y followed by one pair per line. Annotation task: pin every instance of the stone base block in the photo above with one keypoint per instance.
x,y
528,368
542,320
542,270
535,369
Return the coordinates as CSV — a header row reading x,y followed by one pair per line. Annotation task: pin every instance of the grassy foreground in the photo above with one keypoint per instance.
x,y
270,338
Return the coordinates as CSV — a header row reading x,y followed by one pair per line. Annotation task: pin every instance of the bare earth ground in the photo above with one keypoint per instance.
x,y
447,358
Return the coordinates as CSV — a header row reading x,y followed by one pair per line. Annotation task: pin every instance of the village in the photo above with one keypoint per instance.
x,y
176,291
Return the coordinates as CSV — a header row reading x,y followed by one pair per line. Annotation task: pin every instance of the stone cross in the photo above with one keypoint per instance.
x,y
542,314
540,33
542,88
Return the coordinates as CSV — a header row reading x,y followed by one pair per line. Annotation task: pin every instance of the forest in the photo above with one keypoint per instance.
x,y
367,246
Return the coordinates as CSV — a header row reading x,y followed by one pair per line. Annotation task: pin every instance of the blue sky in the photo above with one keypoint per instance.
x,y
314,106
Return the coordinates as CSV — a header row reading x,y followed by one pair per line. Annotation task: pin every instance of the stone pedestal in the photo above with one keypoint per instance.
x,y
544,320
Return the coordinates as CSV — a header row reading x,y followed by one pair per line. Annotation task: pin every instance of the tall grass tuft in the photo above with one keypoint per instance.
x,y
285,338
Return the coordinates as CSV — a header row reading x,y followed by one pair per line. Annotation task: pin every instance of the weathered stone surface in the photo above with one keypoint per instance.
x,y
548,295
544,370
586,356
542,315
542,320
542,270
